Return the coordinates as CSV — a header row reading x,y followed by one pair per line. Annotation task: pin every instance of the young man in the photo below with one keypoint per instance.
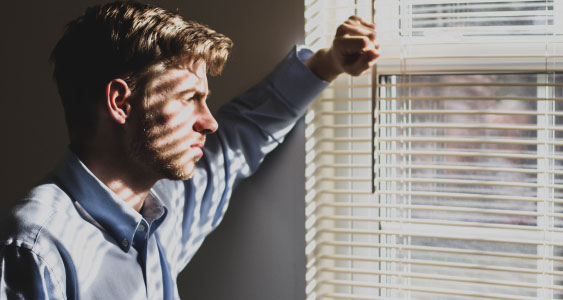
x,y
149,171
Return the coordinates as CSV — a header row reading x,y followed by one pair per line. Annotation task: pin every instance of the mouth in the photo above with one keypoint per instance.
x,y
197,149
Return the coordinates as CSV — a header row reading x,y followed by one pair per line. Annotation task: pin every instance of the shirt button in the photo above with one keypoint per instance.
x,y
124,242
142,227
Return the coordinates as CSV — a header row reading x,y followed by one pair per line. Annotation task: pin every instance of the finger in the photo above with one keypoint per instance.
x,y
358,24
355,20
364,62
353,44
368,57
350,30
368,24
372,55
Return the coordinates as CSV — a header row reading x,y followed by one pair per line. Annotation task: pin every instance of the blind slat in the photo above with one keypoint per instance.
x,y
468,154
431,207
484,140
355,297
438,264
470,112
506,13
470,196
429,290
471,168
436,180
511,3
438,250
501,283
454,98
468,126
438,222
446,84
458,84
522,241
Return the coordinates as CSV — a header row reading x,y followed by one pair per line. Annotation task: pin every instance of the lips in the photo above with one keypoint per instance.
x,y
197,148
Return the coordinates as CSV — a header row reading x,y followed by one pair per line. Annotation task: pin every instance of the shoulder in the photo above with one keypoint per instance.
x,y
30,229
39,211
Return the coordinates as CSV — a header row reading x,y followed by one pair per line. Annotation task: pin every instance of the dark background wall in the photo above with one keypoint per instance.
x,y
258,251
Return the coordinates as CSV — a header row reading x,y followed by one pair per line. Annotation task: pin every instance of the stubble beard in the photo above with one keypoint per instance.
x,y
158,160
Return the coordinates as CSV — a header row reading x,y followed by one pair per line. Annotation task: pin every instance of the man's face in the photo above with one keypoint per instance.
x,y
169,129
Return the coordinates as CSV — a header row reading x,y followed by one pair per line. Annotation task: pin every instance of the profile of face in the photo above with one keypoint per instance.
x,y
170,124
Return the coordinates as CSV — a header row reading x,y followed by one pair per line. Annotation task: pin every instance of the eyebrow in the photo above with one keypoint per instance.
x,y
192,90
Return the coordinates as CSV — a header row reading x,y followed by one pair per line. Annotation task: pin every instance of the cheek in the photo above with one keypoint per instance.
x,y
179,114
174,129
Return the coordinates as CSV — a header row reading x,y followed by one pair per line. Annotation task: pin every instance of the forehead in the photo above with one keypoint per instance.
x,y
179,79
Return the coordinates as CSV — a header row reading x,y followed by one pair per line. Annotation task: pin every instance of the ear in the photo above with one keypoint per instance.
x,y
118,97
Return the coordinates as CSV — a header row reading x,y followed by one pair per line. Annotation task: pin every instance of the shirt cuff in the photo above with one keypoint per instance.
x,y
295,82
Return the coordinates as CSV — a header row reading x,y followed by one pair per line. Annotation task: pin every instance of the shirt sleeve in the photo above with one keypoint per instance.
x,y
250,126
24,275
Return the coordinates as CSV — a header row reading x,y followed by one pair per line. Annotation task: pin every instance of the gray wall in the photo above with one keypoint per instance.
x,y
258,251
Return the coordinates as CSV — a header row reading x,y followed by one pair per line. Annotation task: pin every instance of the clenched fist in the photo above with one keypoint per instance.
x,y
354,50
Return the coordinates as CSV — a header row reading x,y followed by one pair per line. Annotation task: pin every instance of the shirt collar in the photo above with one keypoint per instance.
x,y
101,204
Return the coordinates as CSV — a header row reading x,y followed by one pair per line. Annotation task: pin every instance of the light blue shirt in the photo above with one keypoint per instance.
x,y
70,237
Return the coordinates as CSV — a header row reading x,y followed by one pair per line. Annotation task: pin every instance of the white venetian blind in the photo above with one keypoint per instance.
x,y
439,175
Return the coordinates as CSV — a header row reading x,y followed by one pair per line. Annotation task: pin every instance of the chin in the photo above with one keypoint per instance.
x,y
178,171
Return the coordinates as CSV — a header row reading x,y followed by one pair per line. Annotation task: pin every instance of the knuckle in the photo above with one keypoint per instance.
x,y
341,29
336,42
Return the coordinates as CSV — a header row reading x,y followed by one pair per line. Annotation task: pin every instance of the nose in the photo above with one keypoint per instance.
x,y
205,123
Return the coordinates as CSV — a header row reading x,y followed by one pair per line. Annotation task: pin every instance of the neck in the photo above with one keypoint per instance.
x,y
127,180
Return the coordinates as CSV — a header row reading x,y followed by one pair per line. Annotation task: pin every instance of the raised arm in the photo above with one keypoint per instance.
x,y
254,124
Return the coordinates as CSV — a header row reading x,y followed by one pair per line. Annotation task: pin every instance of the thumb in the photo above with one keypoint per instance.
x,y
363,63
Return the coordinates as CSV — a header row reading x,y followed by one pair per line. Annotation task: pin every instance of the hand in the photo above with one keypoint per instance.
x,y
353,51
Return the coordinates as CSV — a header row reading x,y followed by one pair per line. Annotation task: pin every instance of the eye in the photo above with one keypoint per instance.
x,y
189,99
192,96
195,97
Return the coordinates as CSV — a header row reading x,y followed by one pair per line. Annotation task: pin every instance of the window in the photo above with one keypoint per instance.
x,y
440,174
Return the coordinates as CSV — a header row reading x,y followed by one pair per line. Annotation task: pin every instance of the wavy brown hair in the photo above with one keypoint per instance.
x,y
126,40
